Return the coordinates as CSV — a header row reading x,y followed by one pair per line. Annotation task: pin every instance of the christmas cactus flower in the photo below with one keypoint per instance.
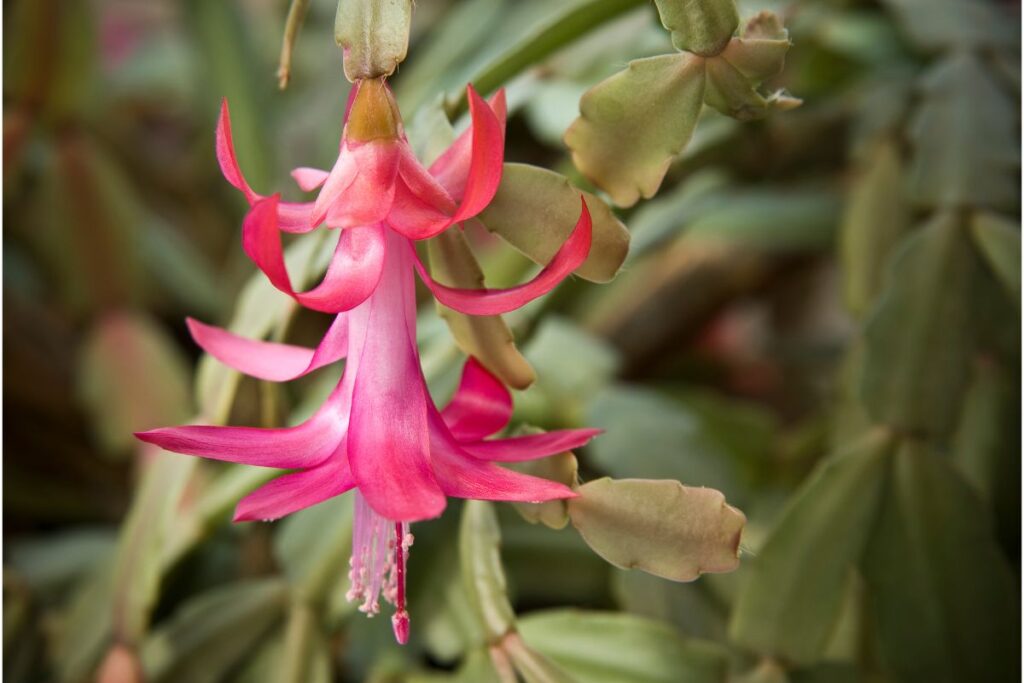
x,y
378,187
379,432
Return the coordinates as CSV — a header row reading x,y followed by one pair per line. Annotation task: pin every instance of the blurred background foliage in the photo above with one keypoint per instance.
x,y
819,317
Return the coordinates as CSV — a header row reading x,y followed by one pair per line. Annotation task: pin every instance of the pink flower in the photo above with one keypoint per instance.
x,y
376,186
379,431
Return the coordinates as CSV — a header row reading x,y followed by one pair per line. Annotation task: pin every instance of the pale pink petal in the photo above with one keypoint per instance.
x,y
388,433
451,169
496,301
361,186
530,446
305,445
415,217
481,405
463,476
308,179
269,360
351,275
292,217
296,491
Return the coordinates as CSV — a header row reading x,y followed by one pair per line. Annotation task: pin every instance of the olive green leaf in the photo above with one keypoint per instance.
x,y
632,124
482,573
485,337
374,35
760,50
792,594
944,598
535,210
659,526
998,239
959,133
562,468
733,94
602,647
876,218
699,26
911,381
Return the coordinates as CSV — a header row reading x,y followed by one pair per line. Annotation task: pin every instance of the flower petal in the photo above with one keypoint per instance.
x,y
486,159
481,405
496,301
351,276
463,476
296,491
452,168
308,179
361,186
388,435
353,273
292,217
305,445
268,360
530,446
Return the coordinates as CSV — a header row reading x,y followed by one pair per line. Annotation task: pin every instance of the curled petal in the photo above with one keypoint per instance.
x,y
292,217
351,276
530,446
496,301
269,360
308,179
481,405
305,445
463,476
296,491
452,168
423,207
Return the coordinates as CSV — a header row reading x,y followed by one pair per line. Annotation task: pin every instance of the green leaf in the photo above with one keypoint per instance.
x,y
632,124
531,665
602,647
485,337
211,632
945,600
121,349
876,217
482,573
661,527
998,239
85,626
731,93
691,608
920,337
699,26
374,35
794,586
959,133
535,210
313,547
575,20
305,657
760,50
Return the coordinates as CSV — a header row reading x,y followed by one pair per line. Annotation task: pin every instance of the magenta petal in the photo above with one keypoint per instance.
x,y
463,476
308,179
486,160
292,217
481,405
496,301
268,360
530,446
421,207
296,491
452,168
305,445
351,276
389,447
361,186
353,273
